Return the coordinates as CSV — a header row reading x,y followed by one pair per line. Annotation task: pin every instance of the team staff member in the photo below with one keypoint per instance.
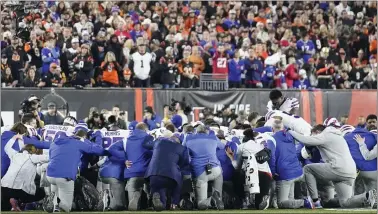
x,y
205,166
151,118
17,128
164,170
367,168
135,151
287,168
65,154
18,183
339,168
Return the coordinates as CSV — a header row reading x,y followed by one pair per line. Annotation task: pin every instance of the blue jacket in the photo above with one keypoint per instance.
x,y
302,84
136,151
202,151
65,154
87,159
154,123
255,68
5,137
235,70
226,164
168,159
315,155
114,167
287,164
370,141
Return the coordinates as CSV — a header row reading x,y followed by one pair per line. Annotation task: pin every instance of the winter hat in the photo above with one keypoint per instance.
x,y
115,9
132,125
81,126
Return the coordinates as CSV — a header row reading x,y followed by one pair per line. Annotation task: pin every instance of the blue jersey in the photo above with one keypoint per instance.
x,y
302,84
49,56
268,74
235,70
307,48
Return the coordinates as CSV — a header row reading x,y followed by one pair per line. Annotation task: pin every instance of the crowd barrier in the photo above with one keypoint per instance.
x,y
315,106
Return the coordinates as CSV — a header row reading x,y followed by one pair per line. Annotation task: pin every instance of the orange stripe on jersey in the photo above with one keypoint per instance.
x,y
150,97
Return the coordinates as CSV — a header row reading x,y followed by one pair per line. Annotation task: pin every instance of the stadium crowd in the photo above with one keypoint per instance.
x,y
259,44
168,162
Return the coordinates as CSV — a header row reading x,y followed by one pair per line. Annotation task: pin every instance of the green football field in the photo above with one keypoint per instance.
x,y
242,211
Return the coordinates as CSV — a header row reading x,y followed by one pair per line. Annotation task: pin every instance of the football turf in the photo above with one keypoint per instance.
x,y
278,211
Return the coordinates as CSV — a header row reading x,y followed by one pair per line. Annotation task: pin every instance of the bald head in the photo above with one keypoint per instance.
x,y
142,126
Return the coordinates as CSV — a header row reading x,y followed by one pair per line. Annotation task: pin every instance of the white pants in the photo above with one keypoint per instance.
x,y
64,190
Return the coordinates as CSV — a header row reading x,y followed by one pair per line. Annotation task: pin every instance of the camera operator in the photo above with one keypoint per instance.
x,y
96,121
228,116
31,105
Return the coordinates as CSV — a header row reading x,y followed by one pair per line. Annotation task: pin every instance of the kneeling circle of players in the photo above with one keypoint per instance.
x,y
173,170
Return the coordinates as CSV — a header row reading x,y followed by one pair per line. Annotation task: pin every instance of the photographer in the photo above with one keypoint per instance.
x,y
31,105
96,121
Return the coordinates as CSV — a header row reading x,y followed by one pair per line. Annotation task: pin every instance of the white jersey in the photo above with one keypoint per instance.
x,y
53,132
110,137
142,65
293,122
251,148
286,106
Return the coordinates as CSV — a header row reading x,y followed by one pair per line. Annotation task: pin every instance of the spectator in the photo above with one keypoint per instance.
x,y
31,80
341,33
53,78
50,54
140,66
7,80
302,82
83,63
236,68
254,68
17,59
168,69
110,71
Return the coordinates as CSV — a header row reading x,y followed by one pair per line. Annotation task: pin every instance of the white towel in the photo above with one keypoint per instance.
x,y
252,175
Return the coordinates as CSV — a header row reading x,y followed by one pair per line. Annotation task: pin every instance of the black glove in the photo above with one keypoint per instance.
x,y
263,156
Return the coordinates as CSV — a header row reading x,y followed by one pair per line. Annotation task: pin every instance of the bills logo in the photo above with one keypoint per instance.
x,y
196,114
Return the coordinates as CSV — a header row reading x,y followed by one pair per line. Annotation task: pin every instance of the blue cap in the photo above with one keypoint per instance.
x,y
81,126
132,125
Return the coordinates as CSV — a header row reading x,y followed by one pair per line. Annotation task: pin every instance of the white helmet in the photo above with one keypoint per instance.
x,y
346,129
331,121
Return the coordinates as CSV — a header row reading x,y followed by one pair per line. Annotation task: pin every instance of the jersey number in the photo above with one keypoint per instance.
x,y
108,141
221,63
141,64
51,135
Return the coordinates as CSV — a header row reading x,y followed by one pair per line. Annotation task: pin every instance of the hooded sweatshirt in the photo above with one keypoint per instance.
x,y
370,141
5,137
287,164
333,149
65,154
135,150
